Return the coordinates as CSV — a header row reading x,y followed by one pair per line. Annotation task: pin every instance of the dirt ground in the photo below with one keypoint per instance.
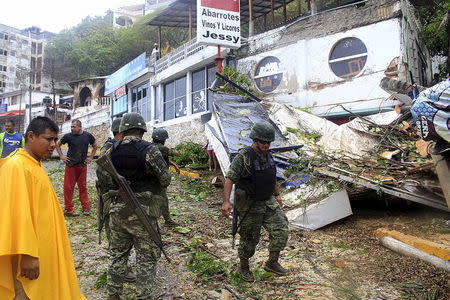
x,y
340,261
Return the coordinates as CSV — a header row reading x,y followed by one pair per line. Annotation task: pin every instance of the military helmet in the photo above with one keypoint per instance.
x,y
160,134
262,131
115,125
132,121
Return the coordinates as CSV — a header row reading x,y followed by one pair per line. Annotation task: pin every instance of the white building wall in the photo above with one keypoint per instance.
x,y
309,82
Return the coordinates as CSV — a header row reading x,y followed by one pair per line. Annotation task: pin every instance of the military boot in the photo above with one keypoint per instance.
x,y
272,264
130,276
244,270
170,223
113,297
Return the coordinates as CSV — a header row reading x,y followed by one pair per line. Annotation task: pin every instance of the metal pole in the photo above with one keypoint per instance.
x,y
29,111
190,22
159,41
250,18
54,101
20,108
219,60
272,13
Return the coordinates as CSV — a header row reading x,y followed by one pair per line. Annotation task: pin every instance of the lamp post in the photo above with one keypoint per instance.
x,y
29,108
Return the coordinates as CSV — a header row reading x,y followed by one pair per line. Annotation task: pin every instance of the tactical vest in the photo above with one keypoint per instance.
x,y
261,183
164,154
129,161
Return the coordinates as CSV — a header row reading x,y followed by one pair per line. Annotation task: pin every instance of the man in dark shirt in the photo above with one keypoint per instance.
x,y
76,165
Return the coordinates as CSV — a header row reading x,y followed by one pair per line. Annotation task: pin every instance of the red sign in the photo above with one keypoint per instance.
x,y
230,5
120,92
13,113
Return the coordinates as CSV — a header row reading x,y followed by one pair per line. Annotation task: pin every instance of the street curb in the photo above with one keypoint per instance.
x,y
427,246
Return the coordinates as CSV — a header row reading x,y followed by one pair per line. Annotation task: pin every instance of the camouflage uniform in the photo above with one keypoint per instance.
x,y
104,184
166,152
265,213
129,231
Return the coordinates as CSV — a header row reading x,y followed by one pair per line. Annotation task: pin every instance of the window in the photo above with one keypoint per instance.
x,y
3,36
180,97
120,102
2,68
39,63
211,76
140,103
3,52
199,101
169,101
39,50
201,80
348,58
13,53
38,78
33,48
33,63
175,105
157,104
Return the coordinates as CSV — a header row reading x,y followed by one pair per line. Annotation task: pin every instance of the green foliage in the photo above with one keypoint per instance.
x,y
435,32
341,245
420,290
242,80
191,154
205,265
95,48
101,281
181,229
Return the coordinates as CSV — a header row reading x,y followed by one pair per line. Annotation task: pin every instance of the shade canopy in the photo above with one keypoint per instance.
x,y
177,13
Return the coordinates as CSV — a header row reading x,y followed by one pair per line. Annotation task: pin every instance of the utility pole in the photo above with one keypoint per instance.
x,y
29,109
54,101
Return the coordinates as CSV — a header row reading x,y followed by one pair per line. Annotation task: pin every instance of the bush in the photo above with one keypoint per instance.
x,y
191,154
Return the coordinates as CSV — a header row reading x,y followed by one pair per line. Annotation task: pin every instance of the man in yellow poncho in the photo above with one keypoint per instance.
x,y
35,257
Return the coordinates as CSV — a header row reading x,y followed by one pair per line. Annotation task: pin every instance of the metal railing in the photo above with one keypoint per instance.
x,y
104,101
177,55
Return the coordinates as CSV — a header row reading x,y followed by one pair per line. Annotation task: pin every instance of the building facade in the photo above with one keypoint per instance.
x,y
22,59
328,59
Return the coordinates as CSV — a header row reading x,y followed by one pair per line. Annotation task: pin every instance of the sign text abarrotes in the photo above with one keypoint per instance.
x,y
217,25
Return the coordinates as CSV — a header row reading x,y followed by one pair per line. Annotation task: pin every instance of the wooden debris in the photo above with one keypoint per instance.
x,y
423,147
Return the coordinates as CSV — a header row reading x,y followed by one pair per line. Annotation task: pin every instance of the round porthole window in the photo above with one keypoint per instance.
x,y
268,75
348,58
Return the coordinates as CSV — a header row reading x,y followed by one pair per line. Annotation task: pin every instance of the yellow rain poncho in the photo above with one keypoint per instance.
x,y
32,223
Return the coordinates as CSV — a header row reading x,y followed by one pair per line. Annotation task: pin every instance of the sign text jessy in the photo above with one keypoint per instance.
x,y
219,23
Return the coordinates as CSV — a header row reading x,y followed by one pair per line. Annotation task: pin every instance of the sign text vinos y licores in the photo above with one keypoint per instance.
x,y
219,23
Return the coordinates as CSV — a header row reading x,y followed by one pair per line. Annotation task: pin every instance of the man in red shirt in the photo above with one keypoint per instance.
x,y
76,165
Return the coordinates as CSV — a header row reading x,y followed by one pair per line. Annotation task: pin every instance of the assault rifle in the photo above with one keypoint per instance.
x,y
131,201
285,149
100,216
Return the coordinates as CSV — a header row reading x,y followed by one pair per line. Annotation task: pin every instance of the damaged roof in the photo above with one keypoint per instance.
x,y
177,13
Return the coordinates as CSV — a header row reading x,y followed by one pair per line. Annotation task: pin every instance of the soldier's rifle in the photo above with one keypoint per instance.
x,y
100,216
127,194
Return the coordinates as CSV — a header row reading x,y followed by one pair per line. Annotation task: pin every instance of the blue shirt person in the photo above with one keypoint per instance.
x,y
10,140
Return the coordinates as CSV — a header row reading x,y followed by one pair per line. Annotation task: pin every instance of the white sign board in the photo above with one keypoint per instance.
x,y
219,23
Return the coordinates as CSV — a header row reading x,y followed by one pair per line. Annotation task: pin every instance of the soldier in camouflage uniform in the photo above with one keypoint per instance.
x,y
142,164
258,201
104,182
159,136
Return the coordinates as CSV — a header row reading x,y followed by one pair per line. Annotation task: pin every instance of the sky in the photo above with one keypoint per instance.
x,y
54,15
